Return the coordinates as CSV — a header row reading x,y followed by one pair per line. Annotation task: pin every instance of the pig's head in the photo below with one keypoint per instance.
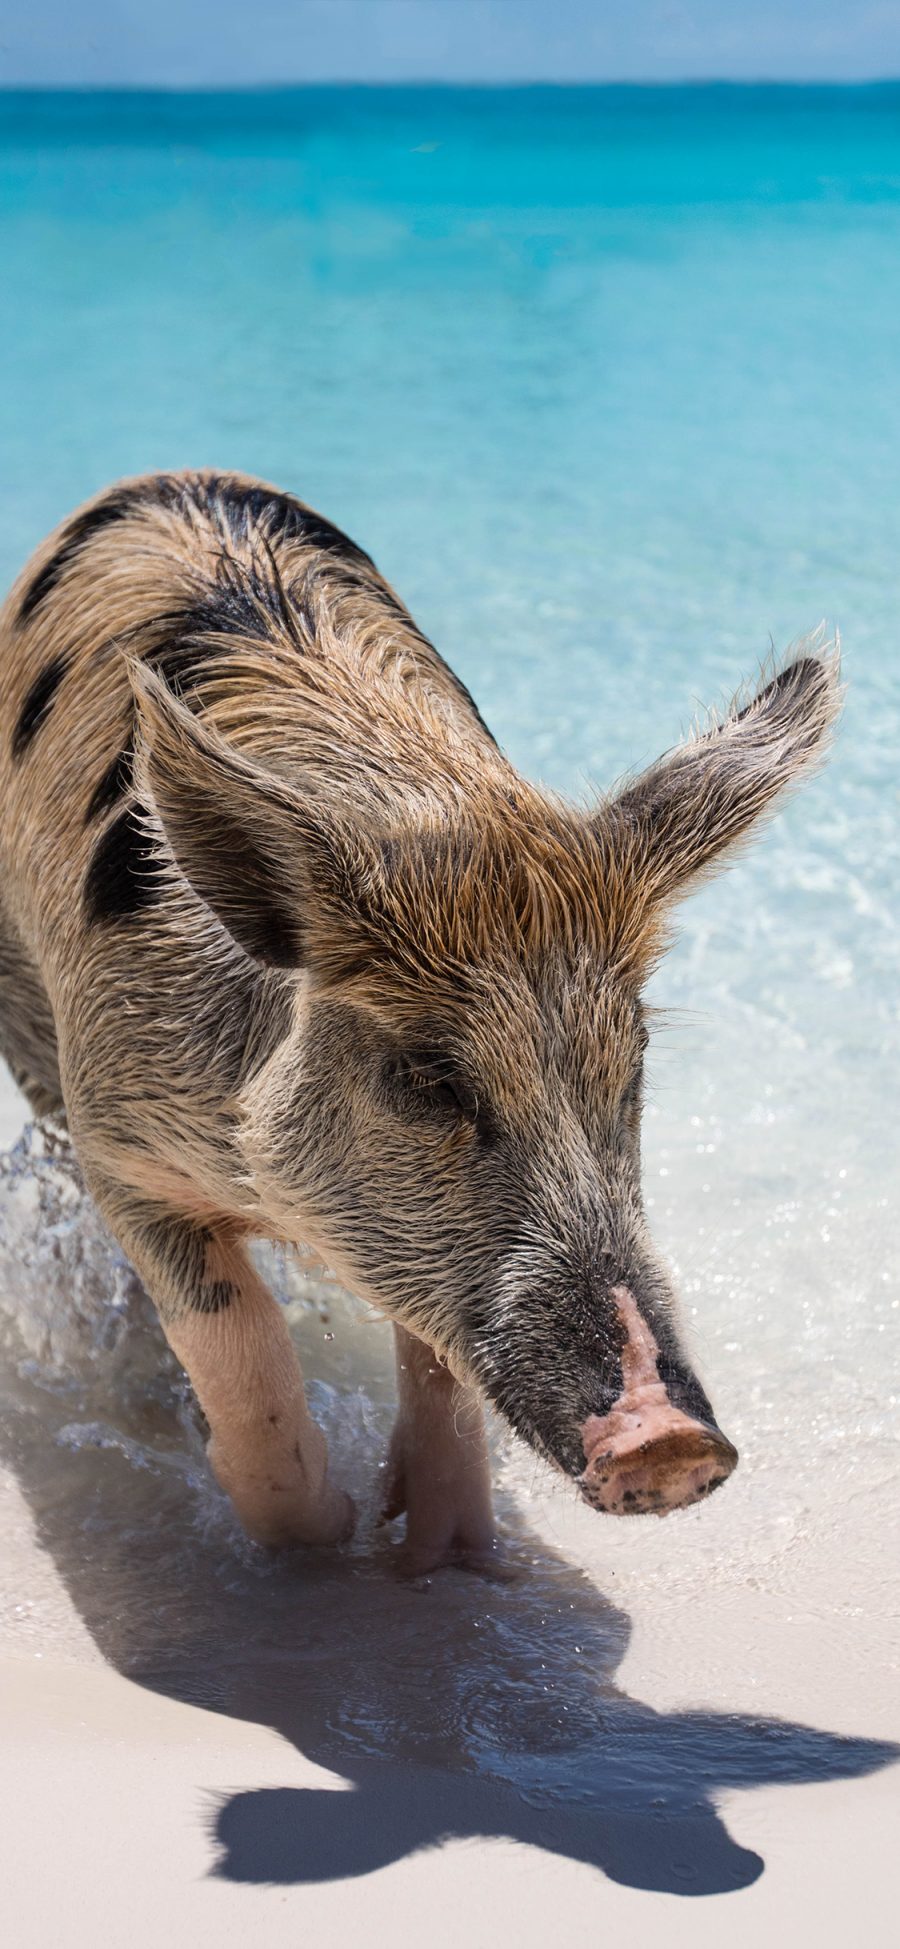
x,y
454,1116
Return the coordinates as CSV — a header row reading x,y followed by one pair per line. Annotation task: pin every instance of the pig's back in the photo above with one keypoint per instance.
x,y
174,569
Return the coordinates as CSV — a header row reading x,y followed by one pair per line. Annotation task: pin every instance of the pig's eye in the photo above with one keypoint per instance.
x,y
427,1085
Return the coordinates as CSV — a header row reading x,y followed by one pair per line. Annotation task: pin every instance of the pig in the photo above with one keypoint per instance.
x,y
298,954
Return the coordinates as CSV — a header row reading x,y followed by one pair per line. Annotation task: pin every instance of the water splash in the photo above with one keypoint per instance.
x,y
81,1330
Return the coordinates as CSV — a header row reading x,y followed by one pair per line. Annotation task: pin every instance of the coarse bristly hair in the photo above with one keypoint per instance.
x,y
299,951
426,855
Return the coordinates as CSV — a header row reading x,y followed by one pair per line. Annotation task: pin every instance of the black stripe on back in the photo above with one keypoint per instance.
x,y
76,534
280,518
194,634
114,784
121,879
37,705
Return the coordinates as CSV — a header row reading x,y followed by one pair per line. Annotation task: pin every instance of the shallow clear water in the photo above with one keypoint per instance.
x,y
606,382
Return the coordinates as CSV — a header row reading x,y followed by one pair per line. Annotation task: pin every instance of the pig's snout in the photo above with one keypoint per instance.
x,y
665,1462
645,1456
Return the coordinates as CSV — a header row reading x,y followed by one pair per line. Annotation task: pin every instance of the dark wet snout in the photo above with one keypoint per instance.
x,y
646,1456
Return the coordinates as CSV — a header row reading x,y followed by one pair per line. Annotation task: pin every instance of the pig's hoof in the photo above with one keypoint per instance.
x,y
492,1563
443,1488
482,1554
328,1523
333,1523
276,1508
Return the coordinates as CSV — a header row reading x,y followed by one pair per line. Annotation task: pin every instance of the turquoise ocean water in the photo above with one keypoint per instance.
x,y
608,382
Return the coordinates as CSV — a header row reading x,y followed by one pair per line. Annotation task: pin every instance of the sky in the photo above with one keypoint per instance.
x,y
209,43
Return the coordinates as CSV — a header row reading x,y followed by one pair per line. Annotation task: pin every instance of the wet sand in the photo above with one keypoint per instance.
x,y
676,1727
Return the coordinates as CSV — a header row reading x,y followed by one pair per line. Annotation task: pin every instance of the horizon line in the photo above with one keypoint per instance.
x,y
408,83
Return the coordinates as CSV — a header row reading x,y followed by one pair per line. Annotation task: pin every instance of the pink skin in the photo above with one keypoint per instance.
x,y
645,1455
264,1449
438,1468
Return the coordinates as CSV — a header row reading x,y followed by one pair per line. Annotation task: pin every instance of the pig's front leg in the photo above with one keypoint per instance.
x,y
224,1326
438,1469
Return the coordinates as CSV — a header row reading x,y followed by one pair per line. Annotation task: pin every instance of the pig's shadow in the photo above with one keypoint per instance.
x,y
455,1710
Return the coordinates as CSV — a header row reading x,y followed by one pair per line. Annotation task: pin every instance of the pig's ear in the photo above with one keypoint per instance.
x,y
681,818
249,844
